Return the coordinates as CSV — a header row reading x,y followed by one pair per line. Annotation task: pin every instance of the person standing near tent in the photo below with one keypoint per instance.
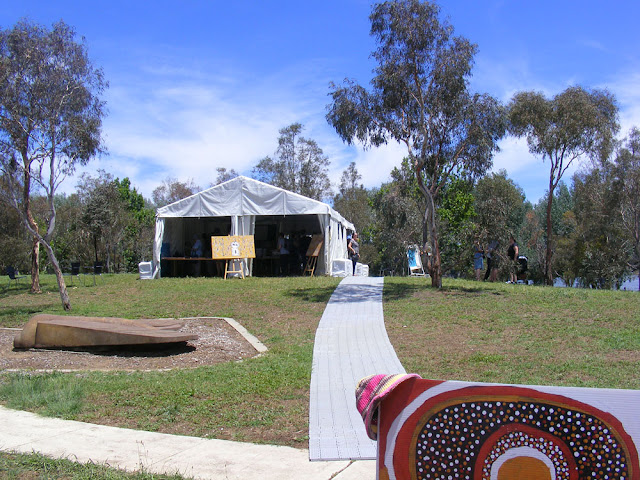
x,y
354,250
512,252
284,255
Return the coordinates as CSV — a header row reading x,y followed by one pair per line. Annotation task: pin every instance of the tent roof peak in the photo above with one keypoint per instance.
x,y
246,196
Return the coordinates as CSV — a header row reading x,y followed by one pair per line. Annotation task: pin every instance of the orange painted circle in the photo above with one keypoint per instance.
x,y
524,468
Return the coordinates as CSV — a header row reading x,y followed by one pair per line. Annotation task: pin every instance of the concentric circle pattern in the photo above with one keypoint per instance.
x,y
472,439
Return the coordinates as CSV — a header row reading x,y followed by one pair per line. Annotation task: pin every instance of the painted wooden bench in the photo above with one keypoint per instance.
x,y
460,430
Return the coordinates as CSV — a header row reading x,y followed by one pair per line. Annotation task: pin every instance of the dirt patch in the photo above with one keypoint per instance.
x,y
217,342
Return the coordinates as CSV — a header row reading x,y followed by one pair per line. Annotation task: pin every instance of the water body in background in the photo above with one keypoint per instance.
x,y
630,285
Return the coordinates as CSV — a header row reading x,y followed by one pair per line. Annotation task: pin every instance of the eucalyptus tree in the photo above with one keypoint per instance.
x,y
627,174
500,210
224,175
566,250
137,244
50,120
602,248
397,207
104,214
299,165
499,207
173,190
14,241
572,124
352,201
419,97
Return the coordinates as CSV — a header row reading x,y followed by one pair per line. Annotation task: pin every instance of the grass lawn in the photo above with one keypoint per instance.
x,y
28,467
466,331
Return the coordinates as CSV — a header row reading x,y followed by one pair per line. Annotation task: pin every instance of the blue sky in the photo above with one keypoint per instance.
x,y
197,85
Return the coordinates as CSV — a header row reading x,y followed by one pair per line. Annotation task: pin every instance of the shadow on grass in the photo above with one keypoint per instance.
x,y
13,290
455,289
313,295
397,291
17,316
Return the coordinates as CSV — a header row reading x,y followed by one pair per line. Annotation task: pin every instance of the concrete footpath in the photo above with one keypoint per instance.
x,y
191,457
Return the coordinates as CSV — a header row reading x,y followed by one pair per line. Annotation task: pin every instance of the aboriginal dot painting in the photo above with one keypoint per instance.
x,y
472,440
233,246
514,433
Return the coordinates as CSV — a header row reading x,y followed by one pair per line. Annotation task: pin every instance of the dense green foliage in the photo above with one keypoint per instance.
x,y
419,98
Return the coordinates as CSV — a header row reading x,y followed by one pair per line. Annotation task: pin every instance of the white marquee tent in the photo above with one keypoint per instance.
x,y
243,206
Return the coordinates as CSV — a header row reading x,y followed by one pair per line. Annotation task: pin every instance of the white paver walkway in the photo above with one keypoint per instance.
x,y
351,342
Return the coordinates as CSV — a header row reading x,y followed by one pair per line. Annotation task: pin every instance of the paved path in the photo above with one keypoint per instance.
x,y
160,453
351,343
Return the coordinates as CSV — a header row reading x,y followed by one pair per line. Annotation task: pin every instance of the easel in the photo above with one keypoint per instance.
x,y
311,265
312,253
233,248
233,270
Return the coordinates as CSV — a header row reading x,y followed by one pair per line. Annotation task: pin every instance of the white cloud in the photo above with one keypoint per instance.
x,y
187,127
183,121
514,156
626,88
377,163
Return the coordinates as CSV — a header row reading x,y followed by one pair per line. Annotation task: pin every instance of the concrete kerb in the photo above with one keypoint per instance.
x,y
255,343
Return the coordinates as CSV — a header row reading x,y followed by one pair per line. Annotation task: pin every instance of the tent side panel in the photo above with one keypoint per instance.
x,y
157,245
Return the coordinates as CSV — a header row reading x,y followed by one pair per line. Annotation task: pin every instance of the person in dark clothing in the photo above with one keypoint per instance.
x,y
492,261
354,251
512,253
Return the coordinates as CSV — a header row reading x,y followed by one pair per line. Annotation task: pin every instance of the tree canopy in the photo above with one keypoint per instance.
x,y
572,124
173,190
419,97
50,121
299,165
627,172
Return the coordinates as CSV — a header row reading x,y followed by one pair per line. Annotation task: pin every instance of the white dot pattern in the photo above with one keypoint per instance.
x,y
449,442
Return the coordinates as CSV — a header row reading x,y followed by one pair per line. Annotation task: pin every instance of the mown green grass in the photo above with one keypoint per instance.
x,y
264,399
516,333
465,331
54,395
32,466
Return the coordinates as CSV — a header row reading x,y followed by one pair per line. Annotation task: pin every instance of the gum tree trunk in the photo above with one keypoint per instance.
x,y
35,266
62,287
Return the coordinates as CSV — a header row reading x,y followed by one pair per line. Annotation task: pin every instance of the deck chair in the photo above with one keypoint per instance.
x,y
96,271
75,271
14,275
415,262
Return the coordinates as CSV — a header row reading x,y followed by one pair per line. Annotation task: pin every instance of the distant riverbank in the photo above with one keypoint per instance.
x,y
630,285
